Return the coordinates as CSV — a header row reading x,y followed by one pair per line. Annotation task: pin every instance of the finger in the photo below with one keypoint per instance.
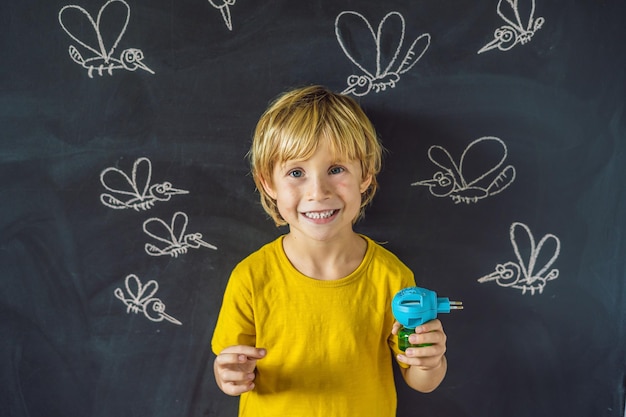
x,y
233,360
236,373
242,358
429,326
425,351
235,389
427,363
249,351
430,338
424,357
396,328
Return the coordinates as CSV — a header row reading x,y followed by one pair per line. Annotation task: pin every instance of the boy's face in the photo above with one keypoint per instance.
x,y
318,197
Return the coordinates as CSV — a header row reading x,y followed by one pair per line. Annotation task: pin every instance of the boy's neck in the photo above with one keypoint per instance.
x,y
325,260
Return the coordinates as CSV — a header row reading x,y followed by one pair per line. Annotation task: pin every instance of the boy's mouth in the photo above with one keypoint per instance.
x,y
319,215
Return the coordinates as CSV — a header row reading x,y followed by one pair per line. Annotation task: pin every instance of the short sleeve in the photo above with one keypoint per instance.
x,y
235,322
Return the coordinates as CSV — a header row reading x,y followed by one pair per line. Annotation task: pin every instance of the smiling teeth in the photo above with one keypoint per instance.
x,y
319,214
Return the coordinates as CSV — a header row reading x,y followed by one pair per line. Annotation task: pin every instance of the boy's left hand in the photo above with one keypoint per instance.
x,y
425,357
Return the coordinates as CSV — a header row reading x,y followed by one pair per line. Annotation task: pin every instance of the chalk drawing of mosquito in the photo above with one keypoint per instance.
x,y
376,53
470,180
520,27
114,14
521,275
224,7
135,192
141,298
173,236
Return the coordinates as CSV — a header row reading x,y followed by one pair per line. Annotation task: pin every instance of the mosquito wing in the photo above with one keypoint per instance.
x,y
389,40
416,51
520,14
120,184
357,40
530,254
159,230
138,291
108,28
481,158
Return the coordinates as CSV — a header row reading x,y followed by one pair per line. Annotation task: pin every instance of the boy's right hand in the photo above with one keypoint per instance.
x,y
234,368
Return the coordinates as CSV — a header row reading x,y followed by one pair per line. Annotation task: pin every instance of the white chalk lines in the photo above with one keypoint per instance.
x,y
140,298
521,25
477,175
165,238
481,170
224,7
376,54
380,55
109,29
171,238
526,273
481,173
135,192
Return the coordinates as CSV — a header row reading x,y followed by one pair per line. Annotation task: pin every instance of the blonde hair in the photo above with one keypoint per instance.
x,y
293,126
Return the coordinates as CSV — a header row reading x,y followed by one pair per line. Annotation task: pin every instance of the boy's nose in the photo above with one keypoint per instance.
x,y
318,188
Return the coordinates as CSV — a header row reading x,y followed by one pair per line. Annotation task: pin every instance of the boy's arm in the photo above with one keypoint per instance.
x,y
428,364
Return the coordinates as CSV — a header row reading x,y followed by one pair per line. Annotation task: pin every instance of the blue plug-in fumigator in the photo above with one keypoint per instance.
x,y
414,306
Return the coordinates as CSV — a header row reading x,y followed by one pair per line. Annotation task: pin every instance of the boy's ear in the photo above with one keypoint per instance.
x,y
268,188
365,183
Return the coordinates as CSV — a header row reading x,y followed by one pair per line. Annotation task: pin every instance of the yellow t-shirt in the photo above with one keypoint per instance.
x,y
329,343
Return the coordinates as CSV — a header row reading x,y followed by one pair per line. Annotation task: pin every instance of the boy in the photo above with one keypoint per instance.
x,y
305,327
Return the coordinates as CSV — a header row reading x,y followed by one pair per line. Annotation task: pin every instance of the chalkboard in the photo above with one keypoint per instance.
x,y
127,198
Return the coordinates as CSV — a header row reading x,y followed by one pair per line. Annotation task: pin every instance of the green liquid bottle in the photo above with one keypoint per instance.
x,y
403,339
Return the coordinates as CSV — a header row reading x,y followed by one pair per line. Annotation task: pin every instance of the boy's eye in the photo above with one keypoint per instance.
x,y
296,173
336,170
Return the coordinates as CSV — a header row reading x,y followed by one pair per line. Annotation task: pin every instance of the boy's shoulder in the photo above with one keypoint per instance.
x,y
380,248
267,253
384,256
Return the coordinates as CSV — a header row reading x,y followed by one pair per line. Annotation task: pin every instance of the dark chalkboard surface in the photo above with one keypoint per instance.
x,y
127,199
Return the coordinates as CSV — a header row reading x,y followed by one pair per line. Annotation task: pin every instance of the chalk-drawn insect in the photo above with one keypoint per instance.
x,y
102,60
173,236
519,30
470,180
135,192
223,6
141,299
376,54
521,275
